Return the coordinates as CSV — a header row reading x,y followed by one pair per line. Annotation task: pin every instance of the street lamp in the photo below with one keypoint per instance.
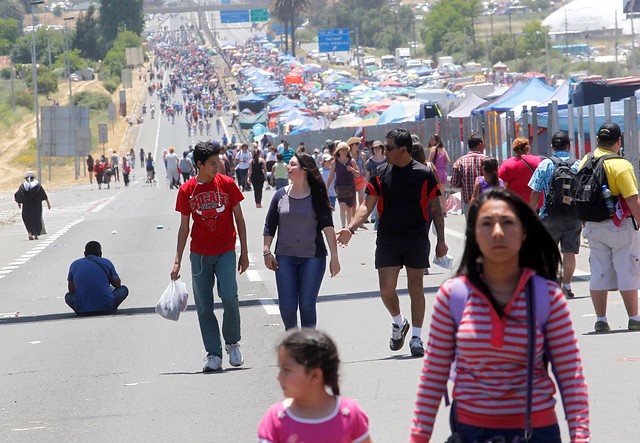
x,y
34,73
67,62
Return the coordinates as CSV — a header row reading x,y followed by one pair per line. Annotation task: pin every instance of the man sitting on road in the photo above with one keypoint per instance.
x,y
94,285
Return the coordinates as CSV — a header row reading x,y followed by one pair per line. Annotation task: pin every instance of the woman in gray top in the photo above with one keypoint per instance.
x,y
300,213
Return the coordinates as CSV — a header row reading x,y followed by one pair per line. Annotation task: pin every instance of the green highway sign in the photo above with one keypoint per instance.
x,y
259,15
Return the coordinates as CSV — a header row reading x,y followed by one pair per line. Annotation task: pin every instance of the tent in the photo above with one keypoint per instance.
x,y
470,103
400,112
293,79
247,121
561,95
345,120
252,101
591,93
520,93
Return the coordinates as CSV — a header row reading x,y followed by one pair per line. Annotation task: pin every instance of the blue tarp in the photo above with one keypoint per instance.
x,y
251,97
531,91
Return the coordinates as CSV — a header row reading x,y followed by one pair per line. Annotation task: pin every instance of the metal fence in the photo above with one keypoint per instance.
x,y
499,130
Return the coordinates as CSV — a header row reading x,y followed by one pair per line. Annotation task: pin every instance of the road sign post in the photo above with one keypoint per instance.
x,y
332,40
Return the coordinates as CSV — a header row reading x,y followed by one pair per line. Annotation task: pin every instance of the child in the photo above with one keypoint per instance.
x,y
488,180
308,362
325,169
279,173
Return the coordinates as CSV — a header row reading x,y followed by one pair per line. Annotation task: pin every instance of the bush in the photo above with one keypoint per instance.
x,y
28,157
24,99
111,84
96,101
5,73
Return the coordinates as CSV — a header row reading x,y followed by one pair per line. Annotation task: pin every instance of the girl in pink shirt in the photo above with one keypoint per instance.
x,y
308,362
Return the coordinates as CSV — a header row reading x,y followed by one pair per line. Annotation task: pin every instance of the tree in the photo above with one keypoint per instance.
x,y
9,33
115,60
12,9
447,17
85,38
47,81
532,40
115,14
286,11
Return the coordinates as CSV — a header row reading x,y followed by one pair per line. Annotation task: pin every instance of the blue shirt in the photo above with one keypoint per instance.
x,y
93,292
541,178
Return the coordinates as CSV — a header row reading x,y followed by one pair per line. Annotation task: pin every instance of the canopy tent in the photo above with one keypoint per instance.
x,y
345,120
247,121
520,93
293,79
470,103
400,112
252,101
591,93
560,95
391,82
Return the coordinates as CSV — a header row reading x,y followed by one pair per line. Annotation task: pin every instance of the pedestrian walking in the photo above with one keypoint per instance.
x,y
313,410
360,159
186,167
489,178
171,162
613,241
343,170
498,321
257,176
90,164
29,198
115,161
242,161
300,213
516,172
440,158
467,168
558,212
409,191
213,201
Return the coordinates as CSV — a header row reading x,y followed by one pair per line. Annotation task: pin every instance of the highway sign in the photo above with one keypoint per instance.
x,y
259,15
235,16
332,40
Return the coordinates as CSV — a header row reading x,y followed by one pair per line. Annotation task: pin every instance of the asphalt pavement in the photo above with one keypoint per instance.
x,y
135,377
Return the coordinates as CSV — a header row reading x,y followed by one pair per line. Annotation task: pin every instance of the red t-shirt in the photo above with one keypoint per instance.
x,y
516,174
210,205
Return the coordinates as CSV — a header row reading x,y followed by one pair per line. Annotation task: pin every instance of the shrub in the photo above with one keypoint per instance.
x,y
5,73
111,84
96,101
24,99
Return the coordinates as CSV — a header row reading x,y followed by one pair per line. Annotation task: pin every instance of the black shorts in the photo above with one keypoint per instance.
x,y
410,253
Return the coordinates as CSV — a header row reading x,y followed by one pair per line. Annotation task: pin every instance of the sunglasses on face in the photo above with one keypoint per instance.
x,y
390,147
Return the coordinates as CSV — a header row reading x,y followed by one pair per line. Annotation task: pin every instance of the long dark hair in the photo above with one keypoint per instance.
x,y
538,251
490,166
314,349
319,196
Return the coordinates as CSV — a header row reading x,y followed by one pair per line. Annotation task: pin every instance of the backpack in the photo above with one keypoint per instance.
x,y
559,199
590,203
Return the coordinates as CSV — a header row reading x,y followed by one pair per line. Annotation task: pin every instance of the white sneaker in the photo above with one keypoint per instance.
x,y
235,356
416,346
212,363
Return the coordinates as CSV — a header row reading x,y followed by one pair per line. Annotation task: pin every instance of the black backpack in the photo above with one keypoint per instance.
x,y
559,199
590,203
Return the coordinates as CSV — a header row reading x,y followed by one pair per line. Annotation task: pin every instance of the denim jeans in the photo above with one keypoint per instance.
x,y
281,183
119,295
241,175
204,270
298,280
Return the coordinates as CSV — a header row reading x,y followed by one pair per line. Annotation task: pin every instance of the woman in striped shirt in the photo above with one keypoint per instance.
x,y
506,246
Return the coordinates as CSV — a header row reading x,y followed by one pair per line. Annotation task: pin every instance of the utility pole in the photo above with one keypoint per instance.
x,y
71,105
34,73
13,92
633,38
358,49
616,45
546,52
566,34
464,30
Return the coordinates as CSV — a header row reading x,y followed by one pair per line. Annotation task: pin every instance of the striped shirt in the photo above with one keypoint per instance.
x,y
491,358
464,172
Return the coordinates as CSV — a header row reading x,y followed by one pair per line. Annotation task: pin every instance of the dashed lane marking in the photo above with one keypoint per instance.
x,y
270,306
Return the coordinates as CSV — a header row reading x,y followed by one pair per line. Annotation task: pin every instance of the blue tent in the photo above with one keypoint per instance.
x,y
252,101
519,93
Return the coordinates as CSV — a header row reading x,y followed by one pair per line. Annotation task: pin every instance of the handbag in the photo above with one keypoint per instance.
x,y
531,346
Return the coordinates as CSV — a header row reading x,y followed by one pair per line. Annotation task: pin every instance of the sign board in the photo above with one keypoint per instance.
x,y
134,56
332,40
123,103
235,16
83,141
259,15
103,133
112,111
127,78
59,130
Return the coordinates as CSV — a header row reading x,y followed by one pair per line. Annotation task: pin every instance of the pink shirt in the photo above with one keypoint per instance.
x,y
346,424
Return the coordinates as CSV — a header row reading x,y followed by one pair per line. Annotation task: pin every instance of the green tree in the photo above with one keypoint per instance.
x,y
45,40
47,81
503,48
114,14
75,60
85,38
286,11
12,9
115,60
447,17
532,40
9,33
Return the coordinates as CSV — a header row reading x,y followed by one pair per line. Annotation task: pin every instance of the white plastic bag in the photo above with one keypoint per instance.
x,y
174,300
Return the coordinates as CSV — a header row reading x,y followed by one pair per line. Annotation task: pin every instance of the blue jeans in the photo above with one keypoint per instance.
x,y
119,295
281,183
298,280
204,270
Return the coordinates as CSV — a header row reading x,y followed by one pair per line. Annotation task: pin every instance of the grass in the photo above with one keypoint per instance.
x,y
7,116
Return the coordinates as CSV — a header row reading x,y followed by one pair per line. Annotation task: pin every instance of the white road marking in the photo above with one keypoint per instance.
x,y
270,306
253,276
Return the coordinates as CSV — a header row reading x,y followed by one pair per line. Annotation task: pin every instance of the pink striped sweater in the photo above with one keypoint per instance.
x,y
491,359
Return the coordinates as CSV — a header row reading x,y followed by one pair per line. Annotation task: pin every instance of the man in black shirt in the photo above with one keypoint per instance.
x,y
406,194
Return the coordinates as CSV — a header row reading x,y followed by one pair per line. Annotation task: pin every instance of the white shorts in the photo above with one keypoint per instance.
x,y
614,255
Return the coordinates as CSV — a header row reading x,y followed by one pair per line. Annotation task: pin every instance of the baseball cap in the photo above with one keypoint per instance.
x,y
171,149
560,139
326,157
377,143
609,132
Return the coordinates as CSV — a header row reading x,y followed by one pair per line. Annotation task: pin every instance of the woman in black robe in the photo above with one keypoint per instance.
x,y
29,197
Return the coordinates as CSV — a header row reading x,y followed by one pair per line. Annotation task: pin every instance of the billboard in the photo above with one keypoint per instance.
x,y
631,6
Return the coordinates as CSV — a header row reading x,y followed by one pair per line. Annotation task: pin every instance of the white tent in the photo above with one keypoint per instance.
x,y
588,15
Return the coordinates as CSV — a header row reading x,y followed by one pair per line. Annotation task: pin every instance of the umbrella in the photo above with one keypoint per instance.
x,y
344,87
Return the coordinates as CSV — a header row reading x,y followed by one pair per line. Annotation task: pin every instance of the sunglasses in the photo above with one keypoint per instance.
x,y
390,147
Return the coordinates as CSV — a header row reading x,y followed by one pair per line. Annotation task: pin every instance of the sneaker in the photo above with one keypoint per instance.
x,y
426,271
603,326
417,346
634,325
212,363
235,356
397,335
568,293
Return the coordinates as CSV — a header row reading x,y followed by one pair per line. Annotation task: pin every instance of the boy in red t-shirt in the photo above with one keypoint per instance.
x,y
213,200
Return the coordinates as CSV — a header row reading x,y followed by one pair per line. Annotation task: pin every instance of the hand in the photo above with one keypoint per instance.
x,y
334,266
48,205
270,262
243,262
175,272
441,249
343,236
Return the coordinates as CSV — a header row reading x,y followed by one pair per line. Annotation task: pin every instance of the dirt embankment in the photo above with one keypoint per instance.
x,y
17,138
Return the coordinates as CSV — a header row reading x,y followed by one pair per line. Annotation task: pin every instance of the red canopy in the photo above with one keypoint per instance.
x,y
390,82
293,79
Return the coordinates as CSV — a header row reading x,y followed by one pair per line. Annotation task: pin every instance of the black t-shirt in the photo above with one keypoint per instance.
x,y
404,195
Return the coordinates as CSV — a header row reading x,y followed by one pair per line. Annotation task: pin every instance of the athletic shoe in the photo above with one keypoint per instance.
x,y
416,346
568,293
397,335
634,325
235,356
212,363
603,326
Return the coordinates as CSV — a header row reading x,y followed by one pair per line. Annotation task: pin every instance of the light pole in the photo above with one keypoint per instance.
x,y
67,62
34,73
